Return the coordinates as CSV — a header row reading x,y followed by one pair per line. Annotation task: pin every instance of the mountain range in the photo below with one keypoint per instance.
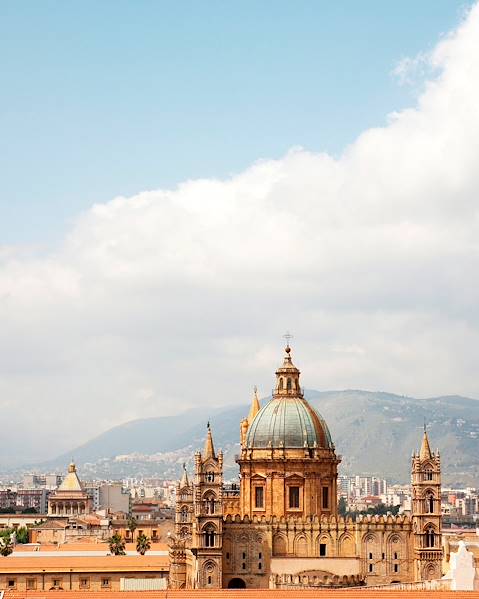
x,y
375,433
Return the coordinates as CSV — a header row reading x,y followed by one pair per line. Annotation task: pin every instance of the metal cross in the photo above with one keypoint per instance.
x,y
288,336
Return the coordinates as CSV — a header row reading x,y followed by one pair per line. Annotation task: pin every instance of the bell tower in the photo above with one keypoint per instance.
x,y
208,510
426,512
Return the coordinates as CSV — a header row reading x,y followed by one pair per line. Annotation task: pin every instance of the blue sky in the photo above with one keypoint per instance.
x,y
106,98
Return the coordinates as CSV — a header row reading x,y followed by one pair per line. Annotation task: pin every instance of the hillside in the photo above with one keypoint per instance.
x,y
374,432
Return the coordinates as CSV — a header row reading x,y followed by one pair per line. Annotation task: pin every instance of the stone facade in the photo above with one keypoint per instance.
x,y
280,528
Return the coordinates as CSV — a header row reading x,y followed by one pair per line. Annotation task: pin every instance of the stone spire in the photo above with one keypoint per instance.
x,y
425,452
184,478
255,407
209,450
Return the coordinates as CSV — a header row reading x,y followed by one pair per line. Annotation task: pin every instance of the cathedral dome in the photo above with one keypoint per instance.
x,y
288,421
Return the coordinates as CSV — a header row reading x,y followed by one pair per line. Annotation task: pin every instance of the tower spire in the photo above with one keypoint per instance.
x,y
255,406
425,452
209,450
184,478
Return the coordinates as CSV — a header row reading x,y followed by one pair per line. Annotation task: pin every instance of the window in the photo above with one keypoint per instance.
x,y
322,549
31,584
244,555
12,583
325,498
382,556
428,474
209,536
430,537
57,583
243,566
84,583
430,503
370,568
154,533
370,556
396,567
227,555
209,579
105,583
288,384
294,497
395,555
259,566
260,555
259,497
210,477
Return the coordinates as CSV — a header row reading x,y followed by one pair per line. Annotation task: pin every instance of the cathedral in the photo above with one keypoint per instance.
x,y
279,527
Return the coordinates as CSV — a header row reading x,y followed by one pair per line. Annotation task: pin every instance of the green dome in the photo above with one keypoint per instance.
x,y
288,422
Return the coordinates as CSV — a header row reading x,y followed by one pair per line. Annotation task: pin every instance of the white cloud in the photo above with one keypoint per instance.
x,y
174,298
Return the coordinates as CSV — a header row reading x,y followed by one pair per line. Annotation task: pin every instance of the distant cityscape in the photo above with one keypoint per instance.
x,y
146,497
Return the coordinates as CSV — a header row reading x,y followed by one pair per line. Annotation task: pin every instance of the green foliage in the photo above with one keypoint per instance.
x,y
378,510
342,506
143,544
6,545
117,544
30,510
132,525
22,534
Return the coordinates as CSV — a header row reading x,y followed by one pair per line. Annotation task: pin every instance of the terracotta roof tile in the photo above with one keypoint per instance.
x,y
245,594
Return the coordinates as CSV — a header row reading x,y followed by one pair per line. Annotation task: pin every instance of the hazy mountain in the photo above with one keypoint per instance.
x,y
374,432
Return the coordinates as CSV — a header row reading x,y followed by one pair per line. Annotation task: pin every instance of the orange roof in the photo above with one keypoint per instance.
x,y
103,563
246,594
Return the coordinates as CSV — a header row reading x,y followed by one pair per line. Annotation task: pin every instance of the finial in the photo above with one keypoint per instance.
x,y
208,425
287,336
425,424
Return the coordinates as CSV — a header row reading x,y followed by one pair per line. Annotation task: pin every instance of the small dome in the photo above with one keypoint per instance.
x,y
288,422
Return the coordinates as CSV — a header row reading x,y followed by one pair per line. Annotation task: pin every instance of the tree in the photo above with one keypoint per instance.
x,y
132,524
117,544
142,544
22,534
30,510
6,545
342,506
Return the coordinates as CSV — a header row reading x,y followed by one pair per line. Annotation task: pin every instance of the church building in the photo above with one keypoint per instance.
x,y
280,528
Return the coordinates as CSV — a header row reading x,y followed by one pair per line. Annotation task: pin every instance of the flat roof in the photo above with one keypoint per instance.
x,y
66,563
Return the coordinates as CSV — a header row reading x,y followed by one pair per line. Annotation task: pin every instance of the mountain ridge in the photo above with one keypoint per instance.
x,y
361,422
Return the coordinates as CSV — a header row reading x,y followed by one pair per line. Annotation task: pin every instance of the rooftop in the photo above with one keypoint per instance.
x,y
245,594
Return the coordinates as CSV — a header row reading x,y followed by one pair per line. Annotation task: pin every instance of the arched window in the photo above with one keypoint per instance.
x,y
430,537
428,474
429,503
288,384
184,514
210,477
209,536
281,382
209,503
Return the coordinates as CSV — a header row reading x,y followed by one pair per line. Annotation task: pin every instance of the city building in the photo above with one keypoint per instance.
x,y
281,528
84,567
70,499
24,499
110,497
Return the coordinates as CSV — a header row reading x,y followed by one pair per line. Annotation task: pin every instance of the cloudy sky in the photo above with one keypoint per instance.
x,y
138,279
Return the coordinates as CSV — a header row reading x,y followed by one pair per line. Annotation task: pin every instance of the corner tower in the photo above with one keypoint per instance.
x,y
288,464
207,545
426,511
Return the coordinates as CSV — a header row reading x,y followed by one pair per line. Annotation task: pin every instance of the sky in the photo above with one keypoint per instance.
x,y
181,183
